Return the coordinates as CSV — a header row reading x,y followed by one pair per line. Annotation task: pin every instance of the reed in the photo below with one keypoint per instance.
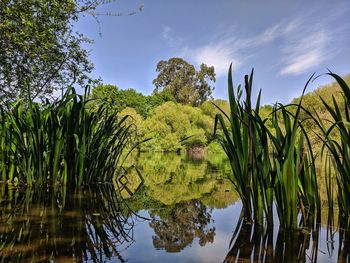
x,y
338,147
245,144
293,169
61,142
269,166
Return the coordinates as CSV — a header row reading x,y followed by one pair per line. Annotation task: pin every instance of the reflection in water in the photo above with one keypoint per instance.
x,y
184,180
255,243
185,222
38,226
178,193
181,196
344,240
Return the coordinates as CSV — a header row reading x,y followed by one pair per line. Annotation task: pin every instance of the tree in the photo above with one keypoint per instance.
x,y
134,120
181,79
39,50
119,99
173,126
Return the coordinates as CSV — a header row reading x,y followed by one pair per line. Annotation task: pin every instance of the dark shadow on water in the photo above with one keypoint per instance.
x,y
39,226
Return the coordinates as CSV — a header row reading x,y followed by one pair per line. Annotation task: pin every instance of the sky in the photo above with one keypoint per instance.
x,y
284,41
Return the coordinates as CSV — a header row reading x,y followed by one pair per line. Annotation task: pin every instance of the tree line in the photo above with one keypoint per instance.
x,y
174,125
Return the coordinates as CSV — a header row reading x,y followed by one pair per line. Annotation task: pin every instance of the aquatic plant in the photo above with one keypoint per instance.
x,y
338,148
246,146
267,164
293,168
61,142
236,141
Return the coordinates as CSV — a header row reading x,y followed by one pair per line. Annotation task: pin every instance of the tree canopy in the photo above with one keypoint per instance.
x,y
184,82
39,50
120,99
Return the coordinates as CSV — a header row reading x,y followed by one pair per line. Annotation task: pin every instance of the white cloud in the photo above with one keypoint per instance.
x,y
228,50
296,46
304,47
302,63
292,26
304,53
310,42
218,55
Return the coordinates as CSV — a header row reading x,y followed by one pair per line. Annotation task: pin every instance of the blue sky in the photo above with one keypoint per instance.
x,y
285,42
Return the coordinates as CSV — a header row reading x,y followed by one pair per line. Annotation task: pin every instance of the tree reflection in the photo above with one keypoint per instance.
x,y
171,179
186,221
178,193
37,225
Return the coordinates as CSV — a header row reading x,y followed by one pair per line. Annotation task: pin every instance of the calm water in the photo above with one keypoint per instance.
x,y
182,210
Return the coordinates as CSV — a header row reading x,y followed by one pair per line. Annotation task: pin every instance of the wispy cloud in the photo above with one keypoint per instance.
x,y
171,38
166,33
299,47
226,50
295,46
219,55
303,53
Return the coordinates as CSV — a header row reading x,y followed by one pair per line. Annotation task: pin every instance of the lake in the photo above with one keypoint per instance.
x,y
172,208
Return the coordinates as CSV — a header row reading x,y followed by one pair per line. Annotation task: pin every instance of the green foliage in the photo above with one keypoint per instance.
x,y
61,142
338,149
312,103
133,116
182,180
170,126
210,107
158,98
167,127
118,99
40,50
174,126
184,83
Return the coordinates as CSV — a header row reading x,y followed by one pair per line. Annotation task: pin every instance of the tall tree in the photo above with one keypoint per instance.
x,y
184,82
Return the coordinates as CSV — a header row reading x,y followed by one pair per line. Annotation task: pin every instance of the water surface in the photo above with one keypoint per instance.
x,y
183,209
